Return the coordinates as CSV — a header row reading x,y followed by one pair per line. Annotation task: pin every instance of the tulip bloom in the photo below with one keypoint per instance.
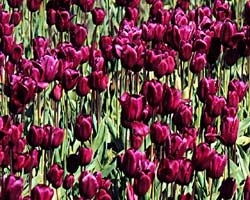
x,y
84,156
202,157
98,15
183,116
34,5
229,130
238,86
214,105
68,181
88,185
78,34
82,87
217,166
41,192
185,173
56,93
141,184
227,188
159,132
70,78
247,189
12,188
55,176
83,127
168,170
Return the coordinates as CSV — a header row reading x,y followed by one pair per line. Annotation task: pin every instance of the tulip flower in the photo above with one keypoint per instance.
x,y
227,188
15,3
88,185
82,87
16,17
56,93
214,105
171,99
83,127
84,156
177,146
129,163
34,5
56,137
68,181
159,132
98,15
229,130
40,192
40,47
62,20
210,134
238,86
141,184
85,6
69,79
168,170
183,116
217,166
185,173
98,80
198,63
55,176
78,34
202,157
72,163
35,136
247,13
12,188
51,16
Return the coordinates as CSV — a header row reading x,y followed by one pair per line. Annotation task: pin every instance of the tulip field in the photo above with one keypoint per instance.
x,y
124,99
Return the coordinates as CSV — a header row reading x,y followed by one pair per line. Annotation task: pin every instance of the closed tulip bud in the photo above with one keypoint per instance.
x,y
98,80
202,157
69,79
227,188
85,6
198,63
4,17
56,93
78,34
229,130
153,90
185,50
35,136
183,116
12,188
214,105
177,146
98,15
55,176
16,17
171,99
40,47
210,134
231,56
15,3
6,44
168,170
136,141
132,107
247,188
56,137
156,6
132,13
16,53
82,87
68,181
34,5
217,166
84,156
232,99
185,174
128,163
141,184
83,128
206,87
41,192
51,17
238,86
227,30
88,185
159,132
72,163
50,67
187,196
62,20
106,47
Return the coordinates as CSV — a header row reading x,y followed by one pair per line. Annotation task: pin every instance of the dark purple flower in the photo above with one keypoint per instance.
x,y
34,5
198,62
78,34
12,187
98,15
247,188
69,79
83,127
84,156
98,80
207,87
217,166
183,116
56,93
15,3
55,176
68,181
142,184
214,105
35,136
168,170
16,17
41,192
238,86
62,20
159,132
227,188
185,172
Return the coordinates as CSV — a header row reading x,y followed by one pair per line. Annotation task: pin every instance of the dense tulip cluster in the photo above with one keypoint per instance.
x,y
126,98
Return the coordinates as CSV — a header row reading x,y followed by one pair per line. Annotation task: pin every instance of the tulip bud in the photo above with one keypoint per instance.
x,y
129,163
83,127
35,136
98,15
72,163
229,130
88,185
202,157
51,17
227,188
177,146
55,176
41,192
56,137
84,156
159,133
217,166
78,34
40,47
62,20
136,141
185,50
68,181
16,17
128,57
85,6
165,67
82,87
214,105
168,170
210,134
56,93
98,80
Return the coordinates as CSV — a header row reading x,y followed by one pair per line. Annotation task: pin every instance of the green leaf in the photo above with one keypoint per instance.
x,y
243,140
244,124
243,161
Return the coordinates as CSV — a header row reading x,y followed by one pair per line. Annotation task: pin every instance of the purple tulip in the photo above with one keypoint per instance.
x,y
78,34
217,166
56,93
183,116
15,3
69,79
227,188
41,192
185,172
207,87
84,156
198,62
141,184
98,80
214,105
83,127
168,170
68,181
159,132
55,176
238,86
34,5
62,20
98,15
12,188
247,188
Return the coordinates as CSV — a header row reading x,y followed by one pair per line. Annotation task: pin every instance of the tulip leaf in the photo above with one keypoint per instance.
x,y
100,137
244,124
108,168
236,172
243,160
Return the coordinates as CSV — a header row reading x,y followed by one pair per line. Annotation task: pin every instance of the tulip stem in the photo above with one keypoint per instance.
x,y
228,161
38,109
194,185
211,192
191,86
98,109
44,106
